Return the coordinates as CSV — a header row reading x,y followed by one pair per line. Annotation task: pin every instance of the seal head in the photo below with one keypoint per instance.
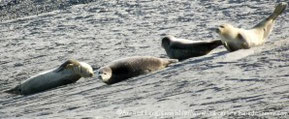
x,y
105,73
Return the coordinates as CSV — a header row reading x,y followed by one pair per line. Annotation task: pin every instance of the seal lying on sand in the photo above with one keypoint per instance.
x,y
182,49
130,67
68,72
237,38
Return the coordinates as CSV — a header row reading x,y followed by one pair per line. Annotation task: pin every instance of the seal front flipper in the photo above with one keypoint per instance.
x,y
69,63
227,46
244,45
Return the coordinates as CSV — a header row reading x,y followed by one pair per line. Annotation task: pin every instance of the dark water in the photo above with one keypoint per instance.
x,y
39,35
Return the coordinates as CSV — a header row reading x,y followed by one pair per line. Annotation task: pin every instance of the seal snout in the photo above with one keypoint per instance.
x,y
91,75
218,30
99,76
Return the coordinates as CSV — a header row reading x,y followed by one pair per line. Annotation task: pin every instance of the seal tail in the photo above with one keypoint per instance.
x,y
278,10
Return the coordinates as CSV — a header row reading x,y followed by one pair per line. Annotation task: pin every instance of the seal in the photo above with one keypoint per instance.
x,y
125,68
237,38
182,49
69,72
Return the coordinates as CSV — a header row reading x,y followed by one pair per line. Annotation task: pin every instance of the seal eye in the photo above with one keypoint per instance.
x,y
222,26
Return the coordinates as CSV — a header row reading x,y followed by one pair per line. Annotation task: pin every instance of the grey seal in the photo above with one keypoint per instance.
x,y
68,72
125,68
237,38
182,49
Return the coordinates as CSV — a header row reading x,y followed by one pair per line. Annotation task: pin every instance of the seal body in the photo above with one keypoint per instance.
x,y
182,49
122,69
68,72
237,38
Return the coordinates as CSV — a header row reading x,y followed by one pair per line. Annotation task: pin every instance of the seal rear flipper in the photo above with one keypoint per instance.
x,y
278,10
173,61
170,61
15,90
